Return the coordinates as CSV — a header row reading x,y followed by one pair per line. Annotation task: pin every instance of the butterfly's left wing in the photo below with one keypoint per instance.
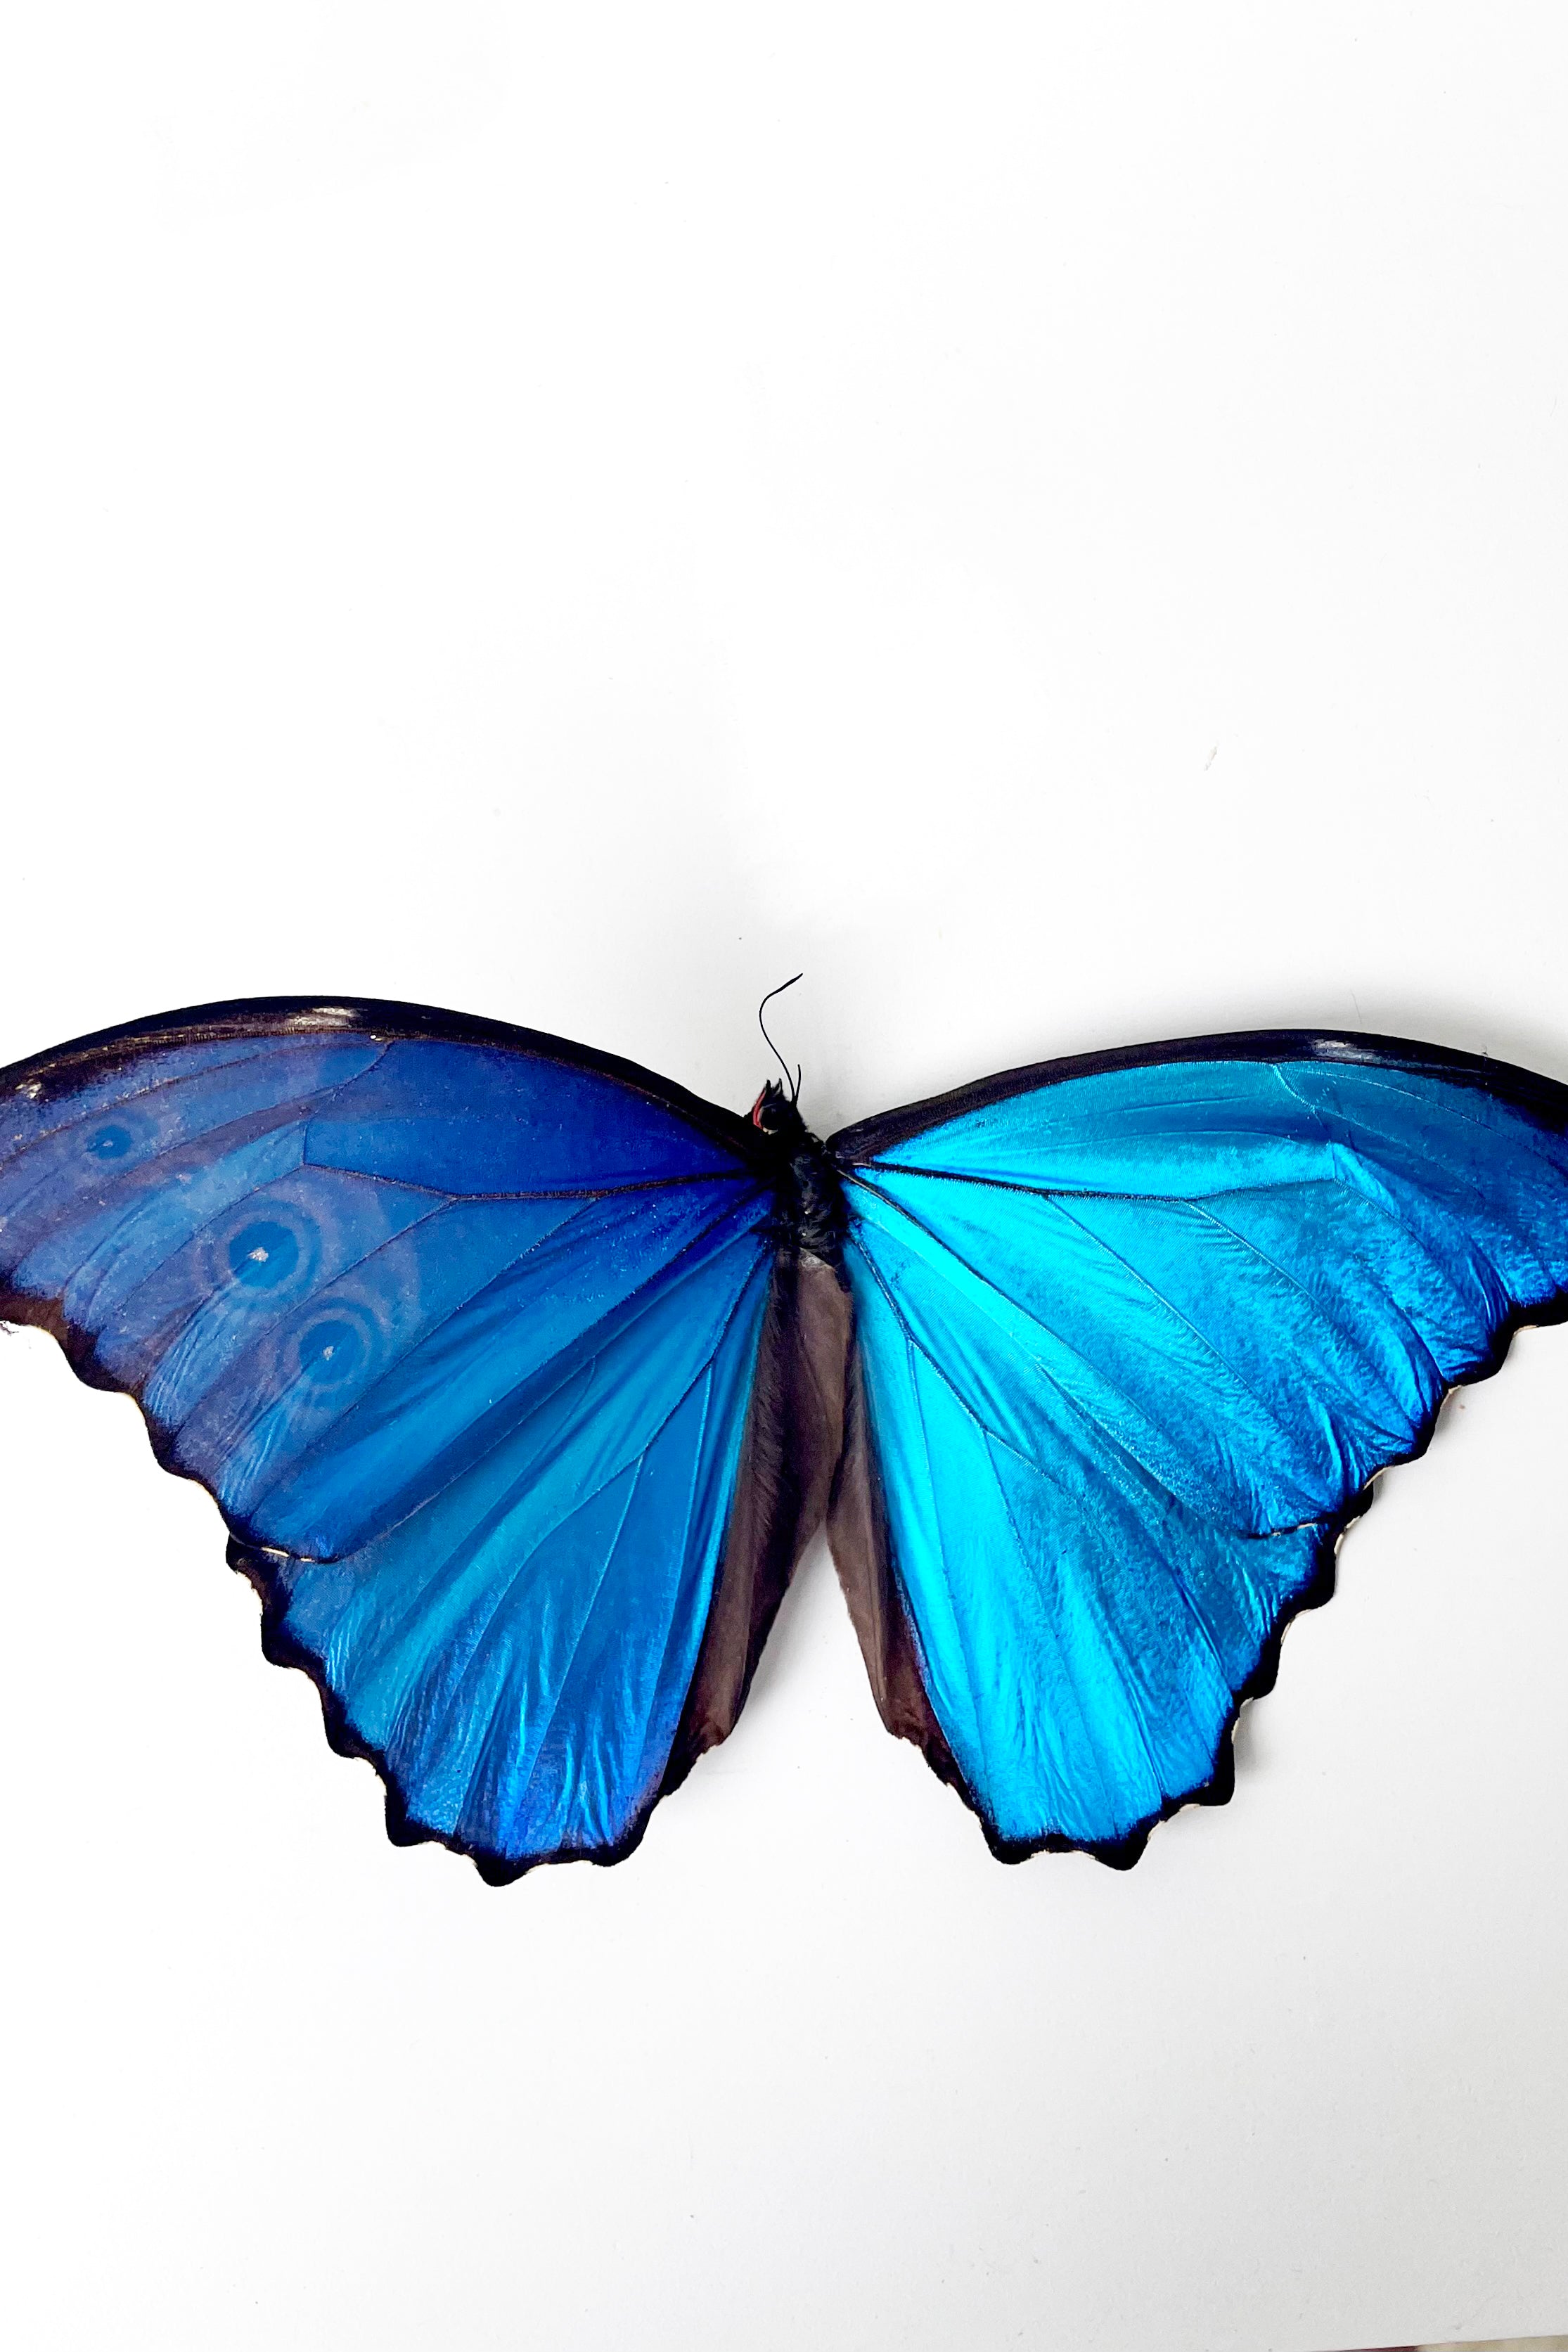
x,y
1135,1333
460,1326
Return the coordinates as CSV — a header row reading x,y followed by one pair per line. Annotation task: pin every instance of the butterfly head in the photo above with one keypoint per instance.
x,y
774,1114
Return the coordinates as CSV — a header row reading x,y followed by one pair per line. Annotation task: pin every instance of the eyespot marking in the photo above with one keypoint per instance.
x,y
331,1351
263,1254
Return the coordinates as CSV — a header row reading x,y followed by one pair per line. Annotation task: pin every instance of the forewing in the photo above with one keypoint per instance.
x,y
459,1325
1135,1337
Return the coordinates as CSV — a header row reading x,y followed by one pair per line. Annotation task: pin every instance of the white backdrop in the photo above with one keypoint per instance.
x,y
1053,520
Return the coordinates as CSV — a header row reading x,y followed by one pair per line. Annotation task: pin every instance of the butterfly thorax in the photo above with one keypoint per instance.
x,y
808,1194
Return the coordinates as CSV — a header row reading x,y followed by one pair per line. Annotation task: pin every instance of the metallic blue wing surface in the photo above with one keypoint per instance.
x,y
1135,1336
459,1325
522,1379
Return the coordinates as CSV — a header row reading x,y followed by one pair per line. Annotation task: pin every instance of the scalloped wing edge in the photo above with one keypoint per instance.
x,y
255,1563
781,1498
1124,1853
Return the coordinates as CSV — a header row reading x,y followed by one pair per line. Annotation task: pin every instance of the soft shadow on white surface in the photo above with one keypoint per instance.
x,y
1054,523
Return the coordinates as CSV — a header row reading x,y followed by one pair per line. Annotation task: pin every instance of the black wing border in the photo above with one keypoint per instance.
x,y
102,1051
1545,1098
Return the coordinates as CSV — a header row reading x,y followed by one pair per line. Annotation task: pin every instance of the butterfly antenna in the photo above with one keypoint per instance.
x,y
794,1084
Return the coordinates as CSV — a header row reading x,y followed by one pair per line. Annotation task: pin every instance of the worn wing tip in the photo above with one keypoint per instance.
x,y
312,1018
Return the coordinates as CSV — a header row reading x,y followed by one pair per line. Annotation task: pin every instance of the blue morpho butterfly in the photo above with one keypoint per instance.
x,y
522,1377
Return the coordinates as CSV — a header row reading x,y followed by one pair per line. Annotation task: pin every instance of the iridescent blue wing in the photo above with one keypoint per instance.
x,y
459,1325
1136,1334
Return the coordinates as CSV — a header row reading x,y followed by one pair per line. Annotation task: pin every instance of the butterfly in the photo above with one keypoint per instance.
x,y
522,1377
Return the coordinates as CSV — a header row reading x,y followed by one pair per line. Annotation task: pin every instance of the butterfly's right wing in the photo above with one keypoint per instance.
x,y
473,1335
